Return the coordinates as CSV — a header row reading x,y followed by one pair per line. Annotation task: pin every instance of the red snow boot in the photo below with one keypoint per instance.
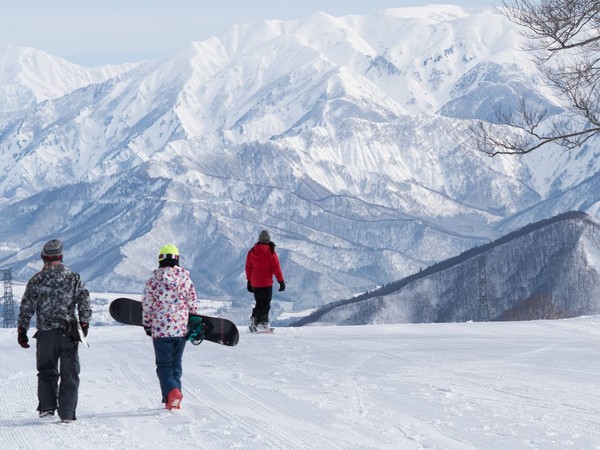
x,y
174,399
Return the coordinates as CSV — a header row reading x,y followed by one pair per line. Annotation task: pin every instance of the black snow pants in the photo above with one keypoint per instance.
x,y
57,359
262,297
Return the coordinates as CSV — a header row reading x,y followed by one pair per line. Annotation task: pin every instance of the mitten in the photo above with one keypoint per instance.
x,y
249,287
22,338
85,327
281,286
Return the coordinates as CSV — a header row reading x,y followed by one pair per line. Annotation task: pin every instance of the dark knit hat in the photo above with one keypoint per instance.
x,y
52,250
264,237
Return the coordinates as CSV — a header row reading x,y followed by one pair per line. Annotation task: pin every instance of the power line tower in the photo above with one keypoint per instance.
x,y
484,305
9,304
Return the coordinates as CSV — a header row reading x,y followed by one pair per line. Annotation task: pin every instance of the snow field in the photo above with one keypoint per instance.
x,y
447,386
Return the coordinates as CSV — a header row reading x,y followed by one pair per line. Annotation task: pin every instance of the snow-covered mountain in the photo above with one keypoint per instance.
x,y
345,136
546,270
29,76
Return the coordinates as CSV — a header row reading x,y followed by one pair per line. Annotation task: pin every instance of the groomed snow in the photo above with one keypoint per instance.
x,y
512,385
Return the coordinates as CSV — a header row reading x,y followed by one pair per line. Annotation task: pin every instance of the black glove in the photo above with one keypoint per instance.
x,y
281,286
22,338
249,287
85,327
70,330
148,331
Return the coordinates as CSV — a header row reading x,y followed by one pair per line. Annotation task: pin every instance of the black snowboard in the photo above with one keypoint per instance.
x,y
214,329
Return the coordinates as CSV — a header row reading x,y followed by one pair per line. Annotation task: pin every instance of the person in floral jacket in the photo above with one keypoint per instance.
x,y
169,298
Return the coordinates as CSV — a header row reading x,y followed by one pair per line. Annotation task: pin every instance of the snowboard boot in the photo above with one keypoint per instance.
x,y
47,413
252,325
174,399
263,326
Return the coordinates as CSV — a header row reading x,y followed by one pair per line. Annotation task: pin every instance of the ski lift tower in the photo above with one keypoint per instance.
x,y
9,304
484,304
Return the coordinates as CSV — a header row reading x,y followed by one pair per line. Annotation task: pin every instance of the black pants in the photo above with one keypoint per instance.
x,y
57,359
262,298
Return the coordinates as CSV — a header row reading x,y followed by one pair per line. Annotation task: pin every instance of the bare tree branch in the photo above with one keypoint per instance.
x,y
564,40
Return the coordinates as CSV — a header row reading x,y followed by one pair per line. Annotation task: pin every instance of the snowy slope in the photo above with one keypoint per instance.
x,y
546,270
451,386
345,136
29,76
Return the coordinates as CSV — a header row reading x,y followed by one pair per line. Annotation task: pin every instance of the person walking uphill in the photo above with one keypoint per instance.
x,y
169,298
53,295
262,263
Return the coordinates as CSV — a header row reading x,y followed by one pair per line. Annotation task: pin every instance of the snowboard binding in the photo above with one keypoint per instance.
x,y
196,334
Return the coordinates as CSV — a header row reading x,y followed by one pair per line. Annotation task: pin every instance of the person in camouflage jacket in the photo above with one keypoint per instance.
x,y
53,295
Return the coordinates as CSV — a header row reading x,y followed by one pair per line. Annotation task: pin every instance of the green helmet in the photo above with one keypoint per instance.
x,y
168,251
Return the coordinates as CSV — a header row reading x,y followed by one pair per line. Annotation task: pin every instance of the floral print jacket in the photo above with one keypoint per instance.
x,y
169,298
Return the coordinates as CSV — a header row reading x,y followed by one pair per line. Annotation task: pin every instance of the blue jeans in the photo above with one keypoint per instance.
x,y
169,353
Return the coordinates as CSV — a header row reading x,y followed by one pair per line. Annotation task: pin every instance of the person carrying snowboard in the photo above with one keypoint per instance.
x,y
53,294
169,299
262,263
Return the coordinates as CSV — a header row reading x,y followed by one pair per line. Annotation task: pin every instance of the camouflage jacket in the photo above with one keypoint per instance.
x,y
53,294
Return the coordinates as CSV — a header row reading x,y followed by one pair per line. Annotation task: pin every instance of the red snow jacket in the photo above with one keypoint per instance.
x,y
261,264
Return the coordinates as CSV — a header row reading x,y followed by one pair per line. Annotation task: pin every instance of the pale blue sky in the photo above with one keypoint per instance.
x,y
95,32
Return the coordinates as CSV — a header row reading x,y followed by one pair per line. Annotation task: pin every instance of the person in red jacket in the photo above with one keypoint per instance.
x,y
262,263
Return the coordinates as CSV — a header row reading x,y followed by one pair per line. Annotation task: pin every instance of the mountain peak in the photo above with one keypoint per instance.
x,y
345,136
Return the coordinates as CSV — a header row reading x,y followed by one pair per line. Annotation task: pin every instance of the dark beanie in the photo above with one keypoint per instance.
x,y
264,237
52,250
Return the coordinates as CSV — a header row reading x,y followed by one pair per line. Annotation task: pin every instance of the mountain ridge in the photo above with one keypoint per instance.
x,y
346,137
327,313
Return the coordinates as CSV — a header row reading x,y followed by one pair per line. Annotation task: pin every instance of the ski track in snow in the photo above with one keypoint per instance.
x,y
428,386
